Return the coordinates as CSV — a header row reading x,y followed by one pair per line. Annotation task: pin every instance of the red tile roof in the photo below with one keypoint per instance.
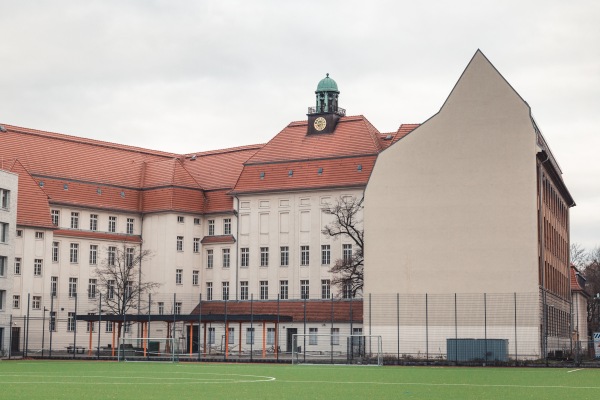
x,y
33,209
316,310
221,239
98,235
577,281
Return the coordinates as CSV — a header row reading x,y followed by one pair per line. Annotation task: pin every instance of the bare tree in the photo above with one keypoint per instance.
x,y
591,273
120,280
578,255
348,271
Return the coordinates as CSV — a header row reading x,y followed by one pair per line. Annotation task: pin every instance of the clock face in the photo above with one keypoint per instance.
x,y
320,124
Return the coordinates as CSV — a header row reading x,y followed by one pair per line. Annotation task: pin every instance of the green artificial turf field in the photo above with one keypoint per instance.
x,y
138,380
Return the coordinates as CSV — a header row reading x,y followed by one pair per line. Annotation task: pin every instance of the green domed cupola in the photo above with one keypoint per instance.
x,y
324,116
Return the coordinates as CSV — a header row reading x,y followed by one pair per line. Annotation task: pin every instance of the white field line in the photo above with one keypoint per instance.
x,y
449,384
135,380
575,370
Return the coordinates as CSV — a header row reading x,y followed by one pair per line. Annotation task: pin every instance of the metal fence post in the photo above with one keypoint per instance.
x,y
51,324
455,328
99,324
199,323
485,325
426,327
516,351
75,329
251,325
398,325
27,327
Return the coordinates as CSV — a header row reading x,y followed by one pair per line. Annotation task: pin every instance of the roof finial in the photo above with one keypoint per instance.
x,y
327,75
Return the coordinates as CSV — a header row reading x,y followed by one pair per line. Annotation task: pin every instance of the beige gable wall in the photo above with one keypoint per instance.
x,y
452,206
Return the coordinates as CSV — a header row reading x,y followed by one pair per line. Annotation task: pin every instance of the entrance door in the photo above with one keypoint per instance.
x,y
16,339
291,340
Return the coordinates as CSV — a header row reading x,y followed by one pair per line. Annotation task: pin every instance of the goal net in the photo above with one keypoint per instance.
x,y
146,349
336,349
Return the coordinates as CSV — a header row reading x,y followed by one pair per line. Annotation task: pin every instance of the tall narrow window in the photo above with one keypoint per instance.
x,y
209,291
70,322
196,245
264,256
304,289
347,253
211,335
209,258
93,222
4,232
227,226
16,301
74,220
161,307
304,255
211,227
92,289
243,290
52,322
225,291
130,223
325,288
55,252
72,287
226,258
129,256
179,243
55,214
74,253
37,267
4,198
112,224
313,338
17,265
347,290
249,335
283,290
112,255
178,307
264,290
178,276
245,259
195,277
93,254
53,286
325,254
110,289
335,336
270,336
285,256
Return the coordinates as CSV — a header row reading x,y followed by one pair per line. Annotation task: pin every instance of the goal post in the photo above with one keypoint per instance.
x,y
313,348
148,349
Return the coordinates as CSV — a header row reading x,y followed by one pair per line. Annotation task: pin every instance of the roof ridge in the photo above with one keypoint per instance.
x,y
225,150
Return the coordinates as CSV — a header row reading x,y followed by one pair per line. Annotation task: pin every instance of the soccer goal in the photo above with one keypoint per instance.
x,y
148,349
336,349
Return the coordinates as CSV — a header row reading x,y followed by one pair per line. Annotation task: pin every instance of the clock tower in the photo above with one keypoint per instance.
x,y
324,117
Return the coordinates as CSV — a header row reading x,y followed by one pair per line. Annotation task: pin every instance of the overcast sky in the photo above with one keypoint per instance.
x,y
189,76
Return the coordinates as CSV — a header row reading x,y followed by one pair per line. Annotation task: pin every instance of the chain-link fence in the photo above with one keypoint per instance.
x,y
480,328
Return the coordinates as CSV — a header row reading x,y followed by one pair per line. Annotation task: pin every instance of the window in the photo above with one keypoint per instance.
x,y
39,235
112,224
90,325
4,196
110,289
304,255
264,256
17,265
4,232
71,322
3,265
211,335
243,290
180,219
196,245
226,258
347,290
179,243
52,323
285,256
93,222
325,289
211,227
313,338
55,252
53,286
109,326
129,256
264,290
74,220
129,290
19,233
112,255
304,289
196,221
130,226
347,253
209,258
37,267
93,254
249,335
335,335
325,254
178,305
72,287
74,254
16,301
270,336
209,289
161,307
2,299
92,289
283,290
245,259
231,336
225,290
55,214
178,276
195,277
227,226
